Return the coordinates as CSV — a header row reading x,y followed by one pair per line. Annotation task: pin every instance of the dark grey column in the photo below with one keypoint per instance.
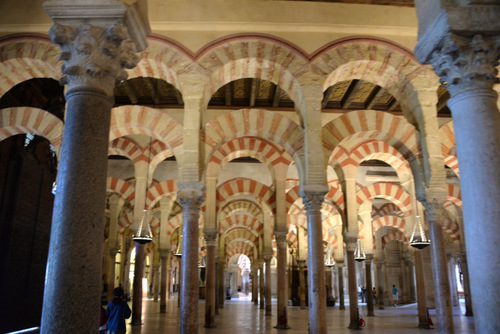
x,y
340,267
281,280
380,283
462,45
313,198
351,274
267,259
210,238
191,198
73,280
369,285
465,272
165,274
302,284
140,254
221,283
261,285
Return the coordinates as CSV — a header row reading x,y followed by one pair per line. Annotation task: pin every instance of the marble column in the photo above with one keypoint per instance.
x,y
369,285
281,280
111,271
140,255
340,268
221,282
255,284
302,284
313,198
380,282
453,280
440,271
164,279
462,45
191,197
423,321
113,244
267,260
156,271
210,238
351,274
465,273
261,285
76,242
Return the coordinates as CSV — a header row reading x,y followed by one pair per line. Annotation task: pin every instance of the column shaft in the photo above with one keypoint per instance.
x,y
210,280
380,285
353,295
261,287
140,254
369,286
423,321
282,282
341,287
164,283
302,285
268,286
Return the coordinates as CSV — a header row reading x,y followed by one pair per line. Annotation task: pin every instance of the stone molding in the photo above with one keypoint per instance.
x,y
191,196
210,237
313,197
94,57
280,236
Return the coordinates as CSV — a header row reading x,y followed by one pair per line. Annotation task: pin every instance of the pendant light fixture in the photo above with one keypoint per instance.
x,y
359,254
178,251
418,238
143,235
329,262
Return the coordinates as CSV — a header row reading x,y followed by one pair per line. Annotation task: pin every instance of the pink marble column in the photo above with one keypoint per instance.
x,y
462,45
165,275
191,198
313,198
267,260
281,280
73,281
210,238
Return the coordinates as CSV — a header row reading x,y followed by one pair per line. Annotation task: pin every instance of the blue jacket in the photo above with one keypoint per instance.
x,y
117,312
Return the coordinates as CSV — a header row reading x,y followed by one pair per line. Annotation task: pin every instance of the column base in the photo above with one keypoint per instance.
x,y
282,327
354,325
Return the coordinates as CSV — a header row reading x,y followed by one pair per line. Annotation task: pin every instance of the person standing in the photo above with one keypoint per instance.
x,y
374,294
395,295
117,311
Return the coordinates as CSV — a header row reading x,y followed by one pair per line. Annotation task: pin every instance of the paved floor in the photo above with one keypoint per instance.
x,y
242,317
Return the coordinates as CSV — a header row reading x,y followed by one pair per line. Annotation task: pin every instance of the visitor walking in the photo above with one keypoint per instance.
x,y
117,311
395,295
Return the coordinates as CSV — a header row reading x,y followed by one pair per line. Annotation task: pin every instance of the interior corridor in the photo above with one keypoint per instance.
x,y
242,317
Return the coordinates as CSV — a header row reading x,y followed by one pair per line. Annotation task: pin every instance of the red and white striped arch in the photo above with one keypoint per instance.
x,y
397,235
241,220
243,186
119,187
452,162
126,147
127,120
452,228
447,137
389,221
390,191
241,206
374,126
385,210
167,188
241,234
269,126
27,56
335,196
239,247
20,120
454,196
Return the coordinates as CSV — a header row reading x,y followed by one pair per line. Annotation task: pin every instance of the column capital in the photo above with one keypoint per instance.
x,y
113,251
313,196
350,240
267,257
164,253
210,237
433,210
280,236
191,195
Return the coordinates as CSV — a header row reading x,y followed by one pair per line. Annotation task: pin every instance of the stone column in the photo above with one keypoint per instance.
x,y
453,280
302,284
281,280
462,45
165,278
255,284
423,321
411,275
380,283
313,198
340,267
369,285
191,198
465,272
267,259
140,255
351,274
221,283
111,271
261,285
113,243
95,53
210,238
440,270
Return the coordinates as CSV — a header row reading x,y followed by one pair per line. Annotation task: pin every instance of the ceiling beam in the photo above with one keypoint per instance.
x,y
178,97
254,91
277,97
350,93
370,101
326,97
151,83
228,93
130,92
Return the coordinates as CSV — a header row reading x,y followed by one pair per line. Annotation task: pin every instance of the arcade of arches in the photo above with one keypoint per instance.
x,y
266,146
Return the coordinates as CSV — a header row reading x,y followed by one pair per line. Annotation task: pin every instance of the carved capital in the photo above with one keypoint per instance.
x,y
164,253
350,240
280,236
94,57
433,209
113,251
313,197
191,196
210,237
467,63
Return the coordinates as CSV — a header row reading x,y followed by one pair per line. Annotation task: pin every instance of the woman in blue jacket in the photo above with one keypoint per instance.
x,y
117,312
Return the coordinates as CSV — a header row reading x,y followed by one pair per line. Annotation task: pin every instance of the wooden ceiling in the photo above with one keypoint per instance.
x,y
256,93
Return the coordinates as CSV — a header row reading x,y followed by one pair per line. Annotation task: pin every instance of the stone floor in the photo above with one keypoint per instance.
x,y
240,316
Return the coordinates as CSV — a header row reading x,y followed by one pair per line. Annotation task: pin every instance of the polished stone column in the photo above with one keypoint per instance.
x,y
140,255
111,271
281,280
164,279
453,280
462,45
465,272
267,260
156,268
423,321
313,198
340,268
440,270
221,283
210,238
73,277
351,274
191,198
369,285
261,285
302,284
255,284
380,283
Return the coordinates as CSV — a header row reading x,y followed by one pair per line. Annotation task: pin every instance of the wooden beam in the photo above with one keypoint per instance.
x,y
151,83
178,97
254,91
350,94
130,92
228,93
277,97
326,97
370,101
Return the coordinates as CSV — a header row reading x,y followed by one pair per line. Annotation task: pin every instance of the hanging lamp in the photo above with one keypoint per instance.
x,y
178,251
418,238
143,234
330,261
359,254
